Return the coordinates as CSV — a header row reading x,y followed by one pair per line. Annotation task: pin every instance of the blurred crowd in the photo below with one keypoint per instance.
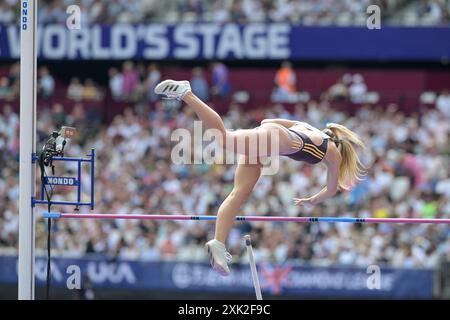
x,y
425,13
307,12
350,88
136,82
9,83
409,176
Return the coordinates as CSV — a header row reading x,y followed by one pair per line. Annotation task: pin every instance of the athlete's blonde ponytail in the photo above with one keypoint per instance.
x,y
351,169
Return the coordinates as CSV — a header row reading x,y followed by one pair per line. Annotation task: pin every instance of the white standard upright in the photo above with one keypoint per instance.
x,y
254,271
28,29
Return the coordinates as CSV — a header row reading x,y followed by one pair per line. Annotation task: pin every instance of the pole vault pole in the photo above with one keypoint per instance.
x,y
28,29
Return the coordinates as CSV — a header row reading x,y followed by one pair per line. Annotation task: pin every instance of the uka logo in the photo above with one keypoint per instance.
x,y
97,272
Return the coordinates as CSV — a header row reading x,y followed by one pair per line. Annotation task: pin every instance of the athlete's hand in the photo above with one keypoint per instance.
x,y
307,202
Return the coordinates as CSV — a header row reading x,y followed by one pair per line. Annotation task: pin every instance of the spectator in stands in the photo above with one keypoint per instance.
x,y
219,12
9,127
337,92
237,15
116,84
199,84
75,90
77,116
152,10
142,72
13,76
58,115
141,89
5,89
445,12
153,78
254,10
91,91
53,12
130,80
6,13
220,82
11,118
433,12
46,83
285,11
192,10
358,89
443,103
98,13
285,84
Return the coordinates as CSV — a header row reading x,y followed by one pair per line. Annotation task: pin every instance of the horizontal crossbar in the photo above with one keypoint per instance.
x,y
58,215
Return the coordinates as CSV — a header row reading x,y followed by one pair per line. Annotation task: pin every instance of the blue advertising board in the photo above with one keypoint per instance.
x,y
208,41
286,280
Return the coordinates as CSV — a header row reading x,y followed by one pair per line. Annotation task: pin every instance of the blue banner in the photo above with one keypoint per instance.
x,y
197,41
286,280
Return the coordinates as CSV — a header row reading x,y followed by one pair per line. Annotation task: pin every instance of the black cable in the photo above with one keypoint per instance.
x,y
45,159
49,258
49,238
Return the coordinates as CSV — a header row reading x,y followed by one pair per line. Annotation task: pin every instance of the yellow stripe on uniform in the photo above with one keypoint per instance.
x,y
314,153
315,148
320,154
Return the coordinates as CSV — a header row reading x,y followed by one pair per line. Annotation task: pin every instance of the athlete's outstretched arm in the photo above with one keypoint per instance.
x,y
327,192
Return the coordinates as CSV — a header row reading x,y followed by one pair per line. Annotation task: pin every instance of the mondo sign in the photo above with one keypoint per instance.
x,y
61,181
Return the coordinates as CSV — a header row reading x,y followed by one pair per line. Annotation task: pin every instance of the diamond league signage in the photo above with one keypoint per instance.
x,y
285,280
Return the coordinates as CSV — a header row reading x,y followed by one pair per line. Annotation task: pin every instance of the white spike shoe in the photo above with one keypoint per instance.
x,y
173,89
219,257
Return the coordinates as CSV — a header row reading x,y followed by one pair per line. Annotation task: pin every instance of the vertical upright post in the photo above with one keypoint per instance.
x,y
28,29
92,177
79,182
248,243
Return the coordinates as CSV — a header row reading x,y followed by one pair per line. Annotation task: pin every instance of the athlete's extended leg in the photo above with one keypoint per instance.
x,y
181,90
268,139
245,179
207,115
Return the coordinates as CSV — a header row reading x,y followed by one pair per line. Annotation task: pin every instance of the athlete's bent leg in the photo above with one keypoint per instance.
x,y
245,179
